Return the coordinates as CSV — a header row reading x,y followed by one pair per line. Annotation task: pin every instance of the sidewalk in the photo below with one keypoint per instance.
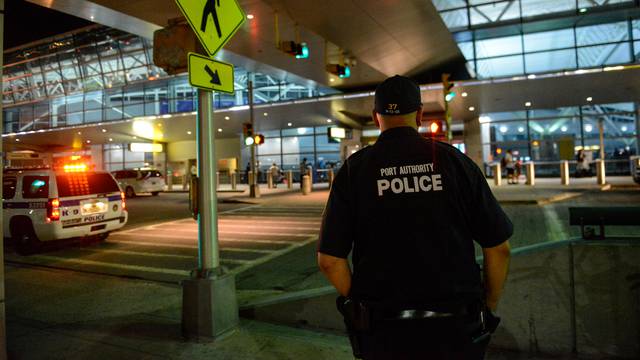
x,y
99,317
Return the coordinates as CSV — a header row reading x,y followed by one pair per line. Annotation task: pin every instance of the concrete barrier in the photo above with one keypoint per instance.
x,y
561,298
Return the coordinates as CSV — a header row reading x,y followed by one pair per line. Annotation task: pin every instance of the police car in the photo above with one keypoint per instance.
x,y
44,204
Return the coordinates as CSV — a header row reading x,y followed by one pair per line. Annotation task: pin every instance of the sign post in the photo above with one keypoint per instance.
x,y
209,304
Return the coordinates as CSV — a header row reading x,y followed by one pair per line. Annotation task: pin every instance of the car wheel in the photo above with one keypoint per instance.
x,y
129,193
25,238
103,236
155,193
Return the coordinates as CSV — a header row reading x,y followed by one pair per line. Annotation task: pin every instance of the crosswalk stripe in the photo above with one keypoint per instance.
x,y
167,245
113,265
136,253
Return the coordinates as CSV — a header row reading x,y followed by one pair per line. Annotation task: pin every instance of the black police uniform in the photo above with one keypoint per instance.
x,y
410,209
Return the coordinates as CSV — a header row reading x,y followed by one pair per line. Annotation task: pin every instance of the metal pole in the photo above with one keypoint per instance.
x,y
601,130
3,340
209,254
254,189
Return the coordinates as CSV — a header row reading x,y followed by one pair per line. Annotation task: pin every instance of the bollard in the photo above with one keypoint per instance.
x,y
306,185
497,174
217,180
269,181
330,177
234,181
600,171
531,174
250,177
290,179
564,172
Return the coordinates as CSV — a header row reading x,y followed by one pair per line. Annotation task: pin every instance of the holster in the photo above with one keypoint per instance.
x,y
357,319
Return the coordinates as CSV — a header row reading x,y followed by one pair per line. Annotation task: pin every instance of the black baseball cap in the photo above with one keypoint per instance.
x,y
397,95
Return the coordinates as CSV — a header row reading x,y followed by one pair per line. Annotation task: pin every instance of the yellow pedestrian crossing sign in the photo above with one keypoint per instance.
x,y
209,74
213,21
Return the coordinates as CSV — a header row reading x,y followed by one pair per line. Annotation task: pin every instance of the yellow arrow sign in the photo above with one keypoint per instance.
x,y
208,74
213,21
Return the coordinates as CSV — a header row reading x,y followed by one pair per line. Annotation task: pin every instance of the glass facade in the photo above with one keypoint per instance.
x,y
101,74
547,36
288,147
547,136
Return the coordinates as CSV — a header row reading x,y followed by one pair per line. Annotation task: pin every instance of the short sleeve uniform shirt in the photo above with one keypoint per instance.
x,y
409,209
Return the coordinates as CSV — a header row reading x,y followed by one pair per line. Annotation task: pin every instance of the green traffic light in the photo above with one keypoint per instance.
x,y
248,140
449,96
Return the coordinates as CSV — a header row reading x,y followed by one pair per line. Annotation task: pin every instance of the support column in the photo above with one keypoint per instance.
x,y
3,332
473,141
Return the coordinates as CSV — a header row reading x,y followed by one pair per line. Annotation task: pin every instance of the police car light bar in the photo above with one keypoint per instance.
x,y
75,168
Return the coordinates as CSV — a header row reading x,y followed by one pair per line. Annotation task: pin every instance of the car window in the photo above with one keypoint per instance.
x,y
35,187
78,184
145,174
9,187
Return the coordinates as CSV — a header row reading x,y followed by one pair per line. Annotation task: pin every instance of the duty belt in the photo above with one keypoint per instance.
x,y
417,314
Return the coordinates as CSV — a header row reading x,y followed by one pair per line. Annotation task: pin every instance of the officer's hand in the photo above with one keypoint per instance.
x,y
492,321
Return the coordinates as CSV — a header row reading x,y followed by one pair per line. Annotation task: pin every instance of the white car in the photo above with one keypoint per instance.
x,y
134,182
45,205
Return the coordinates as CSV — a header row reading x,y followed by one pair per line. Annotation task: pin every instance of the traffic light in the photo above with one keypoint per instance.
x,y
447,87
299,50
247,131
435,129
343,71
258,139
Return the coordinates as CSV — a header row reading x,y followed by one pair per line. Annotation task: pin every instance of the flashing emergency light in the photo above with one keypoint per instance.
x,y
75,168
122,197
53,210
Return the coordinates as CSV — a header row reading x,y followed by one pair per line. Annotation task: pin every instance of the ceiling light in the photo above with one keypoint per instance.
x,y
188,132
226,118
88,141
329,120
266,114
92,17
104,130
564,129
464,94
503,129
289,124
588,128
110,139
589,99
219,130
624,128
583,10
79,132
527,104
520,129
332,79
17,140
250,16
471,108
531,77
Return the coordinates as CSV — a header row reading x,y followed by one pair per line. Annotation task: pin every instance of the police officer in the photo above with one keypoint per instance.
x,y
409,209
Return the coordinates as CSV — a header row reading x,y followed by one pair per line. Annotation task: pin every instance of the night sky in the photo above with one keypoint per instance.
x,y
26,22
